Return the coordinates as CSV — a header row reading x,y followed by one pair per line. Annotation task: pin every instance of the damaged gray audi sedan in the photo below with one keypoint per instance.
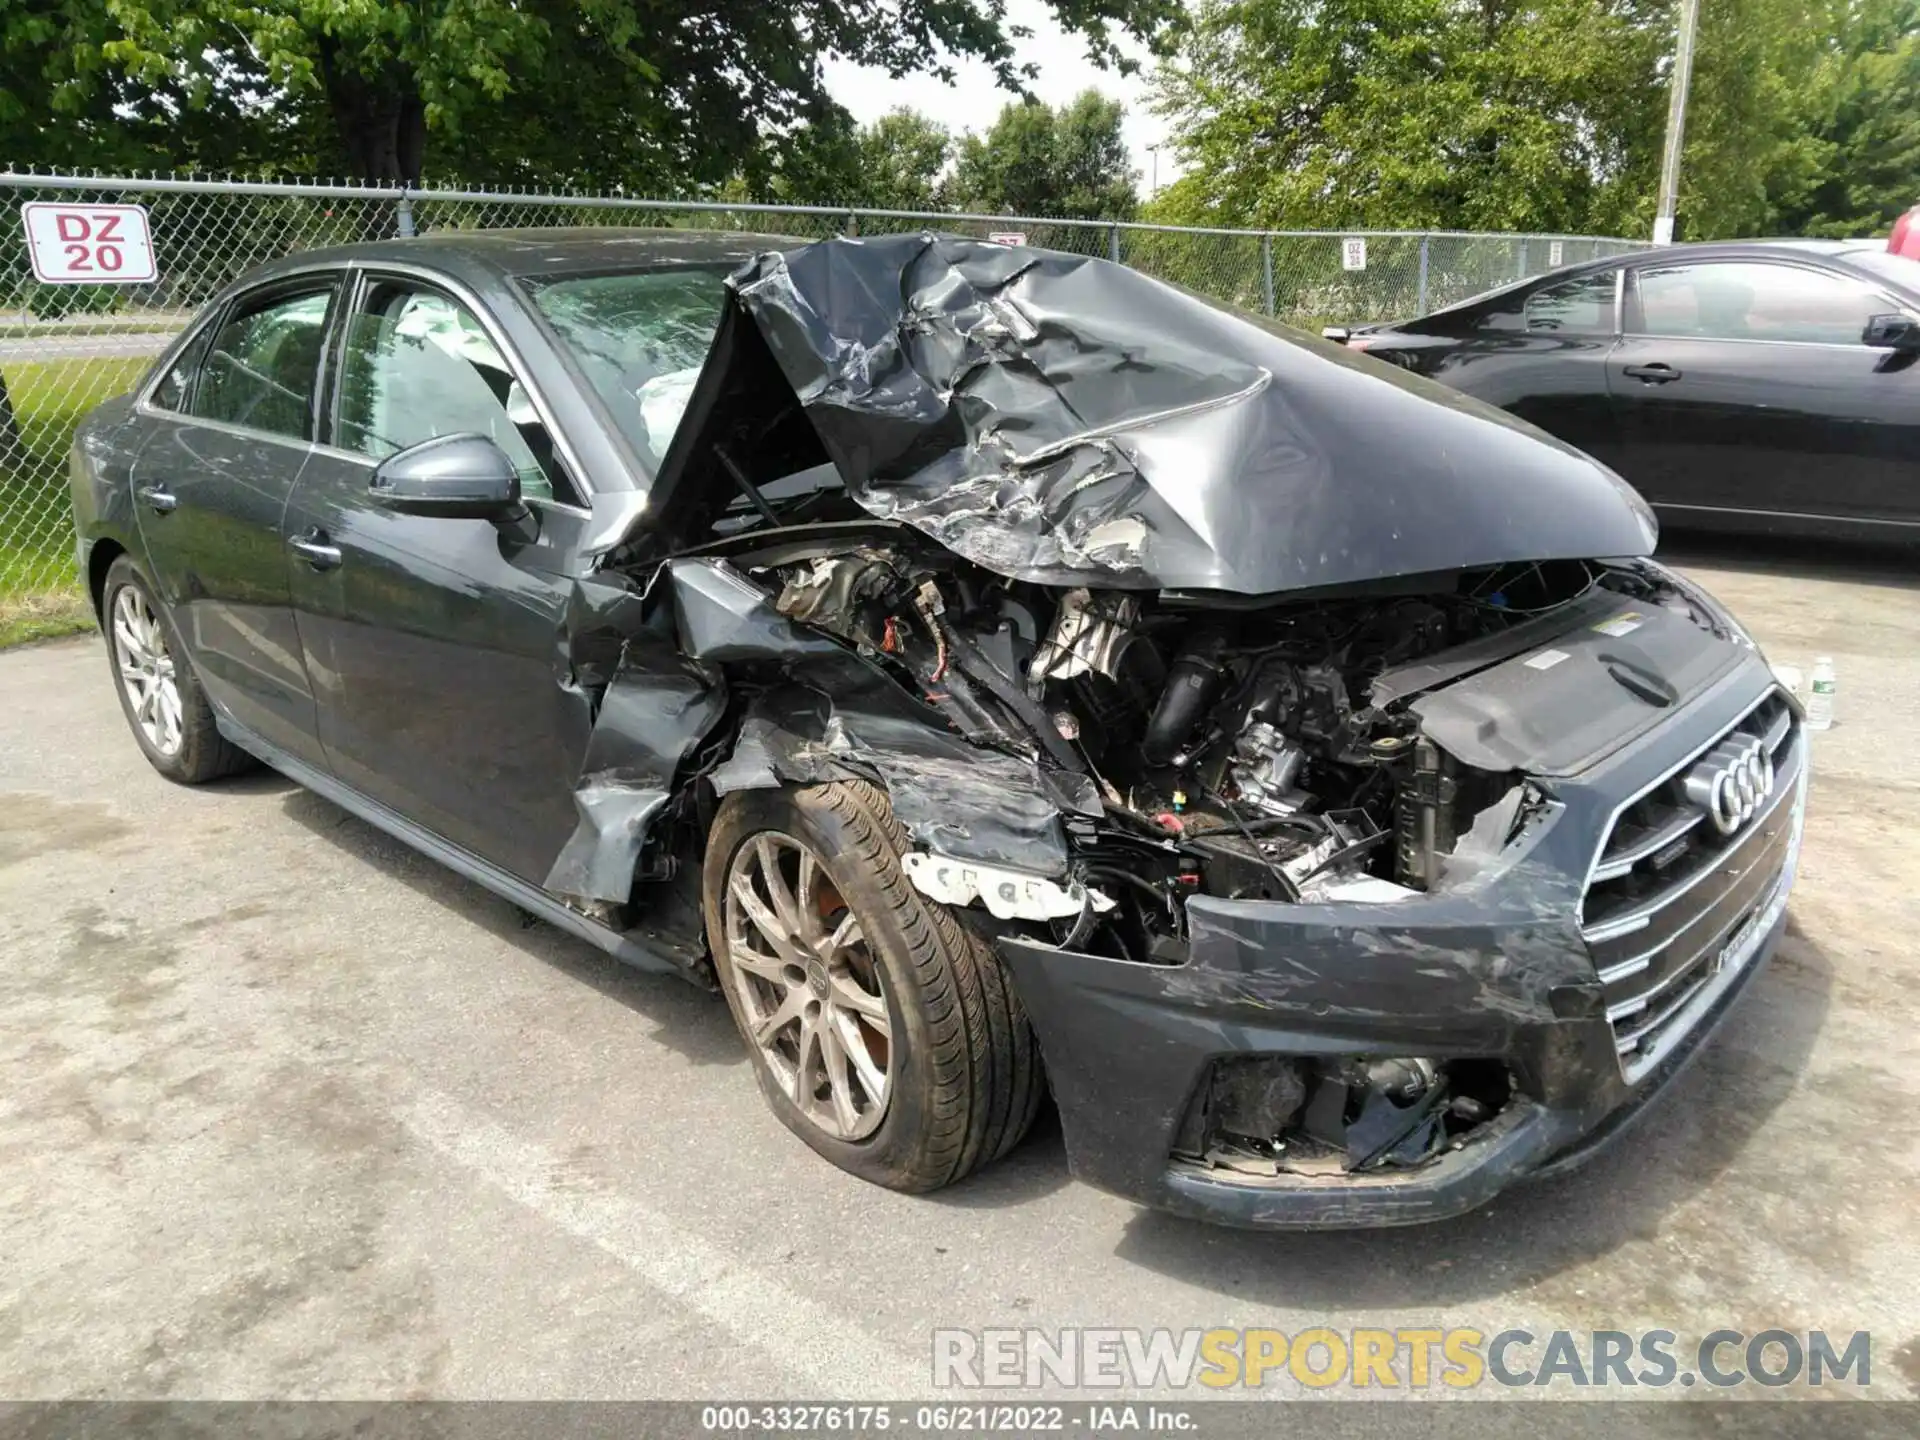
x,y
997,671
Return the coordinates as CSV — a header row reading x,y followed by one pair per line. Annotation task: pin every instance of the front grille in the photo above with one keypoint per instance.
x,y
1675,906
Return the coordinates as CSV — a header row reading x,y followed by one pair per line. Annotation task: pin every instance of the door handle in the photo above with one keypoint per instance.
x,y
161,501
1654,374
313,548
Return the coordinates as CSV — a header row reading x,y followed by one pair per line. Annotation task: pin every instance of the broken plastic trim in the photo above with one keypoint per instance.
x,y
1274,1118
1007,894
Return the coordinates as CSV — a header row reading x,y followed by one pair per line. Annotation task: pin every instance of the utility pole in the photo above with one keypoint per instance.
x,y
1676,124
1154,151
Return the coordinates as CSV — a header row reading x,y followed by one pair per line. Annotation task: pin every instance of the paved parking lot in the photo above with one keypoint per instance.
x,y
288,1111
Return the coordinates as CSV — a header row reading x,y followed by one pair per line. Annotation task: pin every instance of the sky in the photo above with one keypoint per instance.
x,y
974,100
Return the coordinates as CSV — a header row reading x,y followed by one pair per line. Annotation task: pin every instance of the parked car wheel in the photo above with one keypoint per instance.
x,y
165,706
883,1032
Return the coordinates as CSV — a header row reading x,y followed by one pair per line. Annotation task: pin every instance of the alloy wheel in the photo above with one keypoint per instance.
x,y
809,989
145,666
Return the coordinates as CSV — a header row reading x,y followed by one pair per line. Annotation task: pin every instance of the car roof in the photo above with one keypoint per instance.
x,y
1732,249
475,255
1864,257
1691,250
1714,250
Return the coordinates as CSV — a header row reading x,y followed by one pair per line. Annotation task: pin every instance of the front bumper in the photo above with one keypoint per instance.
x,y
1498,970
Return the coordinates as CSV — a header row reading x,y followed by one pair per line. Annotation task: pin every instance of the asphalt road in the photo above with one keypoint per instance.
x,y
288,1111
41,349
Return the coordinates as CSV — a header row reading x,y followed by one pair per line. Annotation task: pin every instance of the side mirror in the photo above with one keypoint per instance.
x,y
1339,334
1892,332
461,477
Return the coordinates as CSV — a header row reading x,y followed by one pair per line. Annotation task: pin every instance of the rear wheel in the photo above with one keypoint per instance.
x,y
164,704
883,1032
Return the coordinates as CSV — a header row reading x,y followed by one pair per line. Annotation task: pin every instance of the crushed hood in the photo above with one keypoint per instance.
x,y
1065,420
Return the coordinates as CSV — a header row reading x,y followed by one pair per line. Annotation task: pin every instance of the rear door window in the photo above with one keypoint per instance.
x,y
264,363
1583,305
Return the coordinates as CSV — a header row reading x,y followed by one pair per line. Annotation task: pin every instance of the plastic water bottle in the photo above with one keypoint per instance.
x,y
1820,692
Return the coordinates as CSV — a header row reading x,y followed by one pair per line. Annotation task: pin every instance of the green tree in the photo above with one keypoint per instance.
x,y
1035,160
895,163
650,94
1748,140
1861,115
1392,113
903,156
54,107
1540,114
63,103
374,79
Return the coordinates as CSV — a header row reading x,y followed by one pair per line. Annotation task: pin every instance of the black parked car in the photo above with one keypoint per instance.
x,y
1756,386
965,655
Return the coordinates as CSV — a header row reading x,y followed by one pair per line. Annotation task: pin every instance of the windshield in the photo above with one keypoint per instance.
x,y
641,340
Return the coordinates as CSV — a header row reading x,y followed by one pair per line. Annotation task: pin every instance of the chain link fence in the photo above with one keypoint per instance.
x,y
64,348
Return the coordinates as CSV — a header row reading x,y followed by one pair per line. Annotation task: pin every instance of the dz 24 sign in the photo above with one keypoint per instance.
x,y
89,244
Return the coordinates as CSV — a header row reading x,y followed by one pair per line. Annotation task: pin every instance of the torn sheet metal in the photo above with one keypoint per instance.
x,y
978,806
1064,420
655,711
602,612
723,617
752,765
612,514
820,711
657,670
947,794
817,711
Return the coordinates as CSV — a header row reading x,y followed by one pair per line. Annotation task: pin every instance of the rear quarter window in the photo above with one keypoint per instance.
x,y
174,388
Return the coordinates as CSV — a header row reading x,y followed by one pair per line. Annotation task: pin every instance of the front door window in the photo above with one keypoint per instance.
x,y
418,365
1753,300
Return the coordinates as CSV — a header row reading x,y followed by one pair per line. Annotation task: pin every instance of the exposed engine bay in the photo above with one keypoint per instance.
x,y
1262,711
1246,750
1236,748
1255,706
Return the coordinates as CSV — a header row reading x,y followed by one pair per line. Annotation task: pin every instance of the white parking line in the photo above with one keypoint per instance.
x,y
820,1346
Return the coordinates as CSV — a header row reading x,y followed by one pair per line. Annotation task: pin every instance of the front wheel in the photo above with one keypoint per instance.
x,y
165,706
883,1032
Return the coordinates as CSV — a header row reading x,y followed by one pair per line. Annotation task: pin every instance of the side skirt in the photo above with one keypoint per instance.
x,y
508,887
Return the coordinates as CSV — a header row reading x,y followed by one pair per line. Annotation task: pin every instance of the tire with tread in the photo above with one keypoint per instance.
x,y
968,1081
204,754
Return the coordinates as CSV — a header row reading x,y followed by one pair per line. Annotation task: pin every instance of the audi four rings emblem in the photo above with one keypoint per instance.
x,y
1731,781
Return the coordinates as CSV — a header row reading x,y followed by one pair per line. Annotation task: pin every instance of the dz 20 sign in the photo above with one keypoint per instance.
x,y
89,244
